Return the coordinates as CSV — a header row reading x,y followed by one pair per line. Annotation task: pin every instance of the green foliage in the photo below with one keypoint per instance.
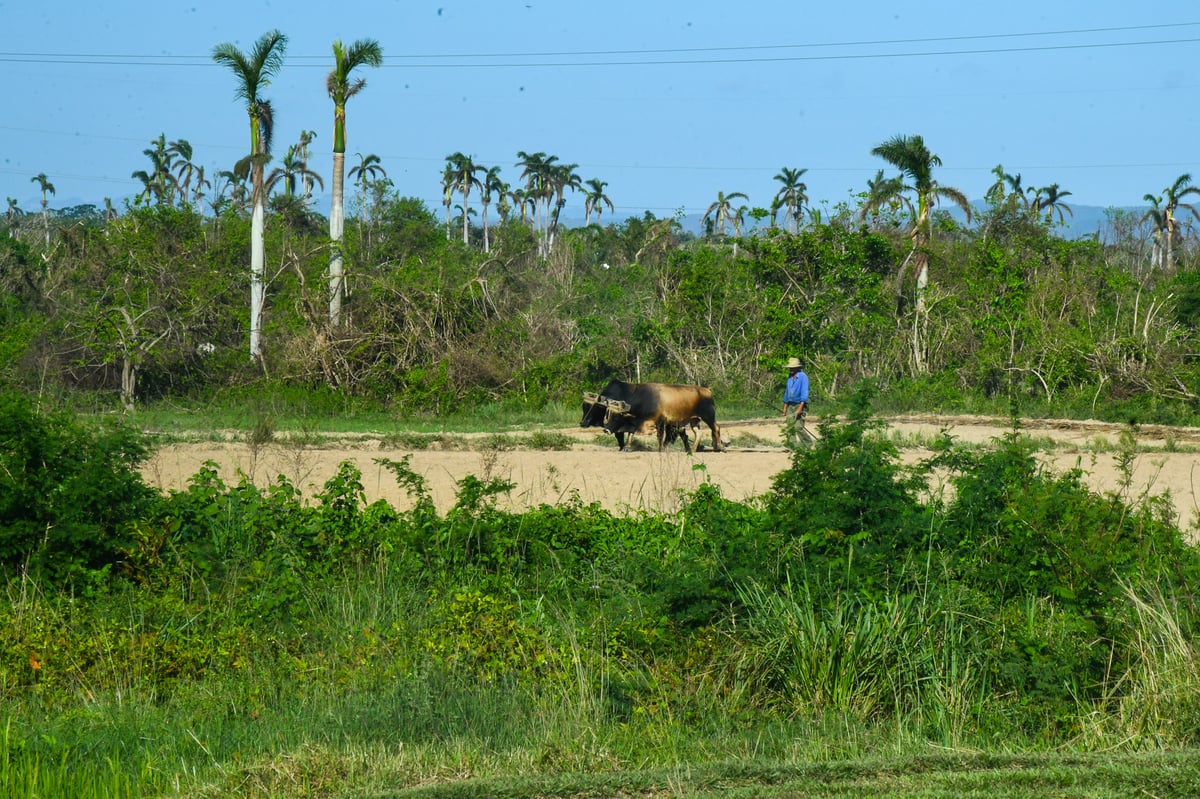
x,y
1054,559
68,493
846,603
846,654
485,636
845,499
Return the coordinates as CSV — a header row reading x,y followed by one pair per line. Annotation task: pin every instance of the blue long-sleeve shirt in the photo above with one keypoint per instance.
x,y
797,389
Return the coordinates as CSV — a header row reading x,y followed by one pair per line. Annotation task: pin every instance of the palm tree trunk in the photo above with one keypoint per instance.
x,y
128,382
1167,251
257,263
484,219
920,321
337,230
466,218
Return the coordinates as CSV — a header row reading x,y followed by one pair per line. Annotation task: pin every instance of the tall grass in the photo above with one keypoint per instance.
x,y
905,657
1157,699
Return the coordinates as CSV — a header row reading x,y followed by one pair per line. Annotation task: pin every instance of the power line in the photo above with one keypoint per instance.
x,y
131,59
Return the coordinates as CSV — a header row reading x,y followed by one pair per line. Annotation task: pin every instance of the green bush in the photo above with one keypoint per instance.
x,y
846,502
68,493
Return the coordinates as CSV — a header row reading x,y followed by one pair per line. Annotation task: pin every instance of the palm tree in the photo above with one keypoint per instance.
x,y
201,184
1049,199
462,170
1172,202
292,173
1006,185
884,191
253,72
722,211
792,196
234,182
491,186
12,215
180,164
369,174
520,199
306,138
916,164
364,52
595,200
536,170
1159,220
162,181
369,170
447,194
562,177
47,189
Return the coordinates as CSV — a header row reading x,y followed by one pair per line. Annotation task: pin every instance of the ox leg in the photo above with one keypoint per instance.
x,y
716,435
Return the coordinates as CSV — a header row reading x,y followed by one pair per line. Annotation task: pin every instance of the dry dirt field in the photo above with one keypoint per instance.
x,y
630,481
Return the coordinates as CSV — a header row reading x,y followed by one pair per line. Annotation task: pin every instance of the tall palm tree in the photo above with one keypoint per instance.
x,y
12,215
1158,219
47,188
253,72
491,186
202,183
463,170
181,165
448,184
162,178
306,138
595,200
562,177
536,171
916,163
722,211
363,52
1173,196
791,197
1049,199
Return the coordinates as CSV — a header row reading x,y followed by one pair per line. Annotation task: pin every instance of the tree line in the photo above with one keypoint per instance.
x,y
140,301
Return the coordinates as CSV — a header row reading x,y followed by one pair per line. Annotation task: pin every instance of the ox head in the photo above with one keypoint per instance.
x,y
593,410
616,414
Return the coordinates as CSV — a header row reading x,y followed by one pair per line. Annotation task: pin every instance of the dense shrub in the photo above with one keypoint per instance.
x,y
846,502
68,493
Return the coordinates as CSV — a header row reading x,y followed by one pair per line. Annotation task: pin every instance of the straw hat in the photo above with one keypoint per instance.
x,y
793,363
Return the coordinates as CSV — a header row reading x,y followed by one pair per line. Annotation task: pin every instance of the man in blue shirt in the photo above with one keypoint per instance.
x,y
795,398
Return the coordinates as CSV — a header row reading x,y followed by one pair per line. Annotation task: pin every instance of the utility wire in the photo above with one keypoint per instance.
x,y
131,59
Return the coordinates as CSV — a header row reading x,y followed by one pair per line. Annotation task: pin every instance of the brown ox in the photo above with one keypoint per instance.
x,y
623,408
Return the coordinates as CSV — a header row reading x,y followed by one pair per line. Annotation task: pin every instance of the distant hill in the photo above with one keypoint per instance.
x,y
1087,220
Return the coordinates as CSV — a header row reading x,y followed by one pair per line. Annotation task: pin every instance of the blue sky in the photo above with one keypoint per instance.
x,y
668,102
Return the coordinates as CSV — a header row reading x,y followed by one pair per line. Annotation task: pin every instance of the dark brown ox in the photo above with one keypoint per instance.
x,y
624,408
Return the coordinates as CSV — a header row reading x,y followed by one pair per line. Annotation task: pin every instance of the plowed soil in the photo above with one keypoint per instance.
x,y
595,471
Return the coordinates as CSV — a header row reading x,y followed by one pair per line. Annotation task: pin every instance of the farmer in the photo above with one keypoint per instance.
x,y
795,397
